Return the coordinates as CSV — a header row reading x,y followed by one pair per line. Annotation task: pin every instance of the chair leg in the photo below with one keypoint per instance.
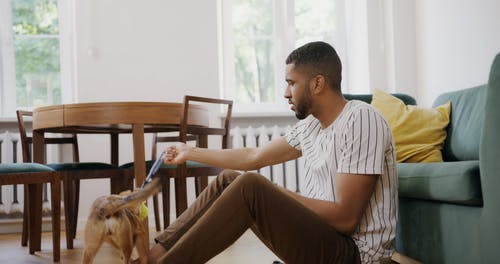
x,y
201,183
67,211
35,218
197,186
180,195
76,202
55,188
120,183
156,212
113,185
130,180
165,187
24,236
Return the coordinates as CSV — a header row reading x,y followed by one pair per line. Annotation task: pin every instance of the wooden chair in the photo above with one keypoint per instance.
x,y
71,174
32,175
199,171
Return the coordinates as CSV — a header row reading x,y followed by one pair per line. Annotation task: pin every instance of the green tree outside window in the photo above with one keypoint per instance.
x,y
37,55
254,40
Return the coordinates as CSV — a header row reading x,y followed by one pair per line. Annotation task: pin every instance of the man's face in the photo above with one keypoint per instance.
x,y
298,91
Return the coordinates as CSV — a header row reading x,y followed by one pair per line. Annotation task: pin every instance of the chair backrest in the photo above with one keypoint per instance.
x,y
27,141
186,130
189,133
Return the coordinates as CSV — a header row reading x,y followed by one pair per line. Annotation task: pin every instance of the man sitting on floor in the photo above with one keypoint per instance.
x,y
348,211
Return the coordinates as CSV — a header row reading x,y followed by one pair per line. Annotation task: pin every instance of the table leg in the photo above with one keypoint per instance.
x,y
139,154
38,147
140,163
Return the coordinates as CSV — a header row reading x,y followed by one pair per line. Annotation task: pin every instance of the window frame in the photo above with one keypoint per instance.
x,y
66,10
284,42
280,49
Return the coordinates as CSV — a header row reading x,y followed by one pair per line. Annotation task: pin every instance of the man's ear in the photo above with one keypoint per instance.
x,y
318,84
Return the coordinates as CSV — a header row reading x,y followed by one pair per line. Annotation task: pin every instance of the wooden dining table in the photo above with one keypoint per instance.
x,y
113,118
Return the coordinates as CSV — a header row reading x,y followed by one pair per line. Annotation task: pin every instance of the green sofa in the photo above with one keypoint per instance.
x,y
449,212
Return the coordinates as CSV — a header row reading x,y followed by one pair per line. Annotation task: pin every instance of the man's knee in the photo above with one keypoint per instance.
x,y
227,176
245,180
252,186
252,181
251,177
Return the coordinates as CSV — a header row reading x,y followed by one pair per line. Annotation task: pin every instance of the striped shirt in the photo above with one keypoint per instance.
x,y
359,141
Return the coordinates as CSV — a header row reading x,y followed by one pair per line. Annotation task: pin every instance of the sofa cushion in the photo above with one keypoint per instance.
x,y
453,182
418,132
467,118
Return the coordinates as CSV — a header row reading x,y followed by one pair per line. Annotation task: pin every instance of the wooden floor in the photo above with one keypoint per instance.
x,y
247,249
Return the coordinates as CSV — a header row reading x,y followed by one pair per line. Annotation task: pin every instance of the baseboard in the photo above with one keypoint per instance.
x,y
13,226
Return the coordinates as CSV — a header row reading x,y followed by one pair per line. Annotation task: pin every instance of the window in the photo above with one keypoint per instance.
x,y
257,35
34,69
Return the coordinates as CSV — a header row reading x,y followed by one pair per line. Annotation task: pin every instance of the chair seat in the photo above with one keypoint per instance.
x,y
149,164
453,182
81,166
23,168
33,175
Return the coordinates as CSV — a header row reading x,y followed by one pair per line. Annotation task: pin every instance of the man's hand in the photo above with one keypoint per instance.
x,y
177,153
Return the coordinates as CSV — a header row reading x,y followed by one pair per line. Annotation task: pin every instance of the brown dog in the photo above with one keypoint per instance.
x,y
116,220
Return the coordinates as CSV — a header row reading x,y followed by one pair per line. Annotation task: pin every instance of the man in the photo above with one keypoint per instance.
x,y
348,213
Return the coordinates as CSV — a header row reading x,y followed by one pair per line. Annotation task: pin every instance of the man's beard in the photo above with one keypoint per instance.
x,y
304,105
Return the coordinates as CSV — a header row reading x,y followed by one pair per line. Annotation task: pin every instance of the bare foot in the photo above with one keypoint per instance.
x,y
155,253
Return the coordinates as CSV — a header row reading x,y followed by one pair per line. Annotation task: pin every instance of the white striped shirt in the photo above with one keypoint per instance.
x,y
359,141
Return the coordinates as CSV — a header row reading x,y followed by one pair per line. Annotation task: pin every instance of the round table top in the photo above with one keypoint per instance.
x,y
104,115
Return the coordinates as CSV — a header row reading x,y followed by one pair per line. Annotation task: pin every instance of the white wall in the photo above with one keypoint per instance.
x,y
355,71
425,47
141,51
156,50
456,41
400,16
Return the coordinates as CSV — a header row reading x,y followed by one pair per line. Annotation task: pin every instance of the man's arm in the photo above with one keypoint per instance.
x,y
276,151
352,194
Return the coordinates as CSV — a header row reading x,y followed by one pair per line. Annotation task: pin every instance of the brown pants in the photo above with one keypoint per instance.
x,y
233,203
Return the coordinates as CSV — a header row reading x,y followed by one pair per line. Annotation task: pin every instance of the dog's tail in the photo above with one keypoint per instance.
x,y
135,198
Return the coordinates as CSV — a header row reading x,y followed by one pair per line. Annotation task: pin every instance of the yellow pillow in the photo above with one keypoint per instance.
x,y
419,133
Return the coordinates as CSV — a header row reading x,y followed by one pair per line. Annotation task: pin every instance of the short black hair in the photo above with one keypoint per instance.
x,y
318,58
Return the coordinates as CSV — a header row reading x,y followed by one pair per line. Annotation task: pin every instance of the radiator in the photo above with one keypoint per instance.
x,y
12,197
284,174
